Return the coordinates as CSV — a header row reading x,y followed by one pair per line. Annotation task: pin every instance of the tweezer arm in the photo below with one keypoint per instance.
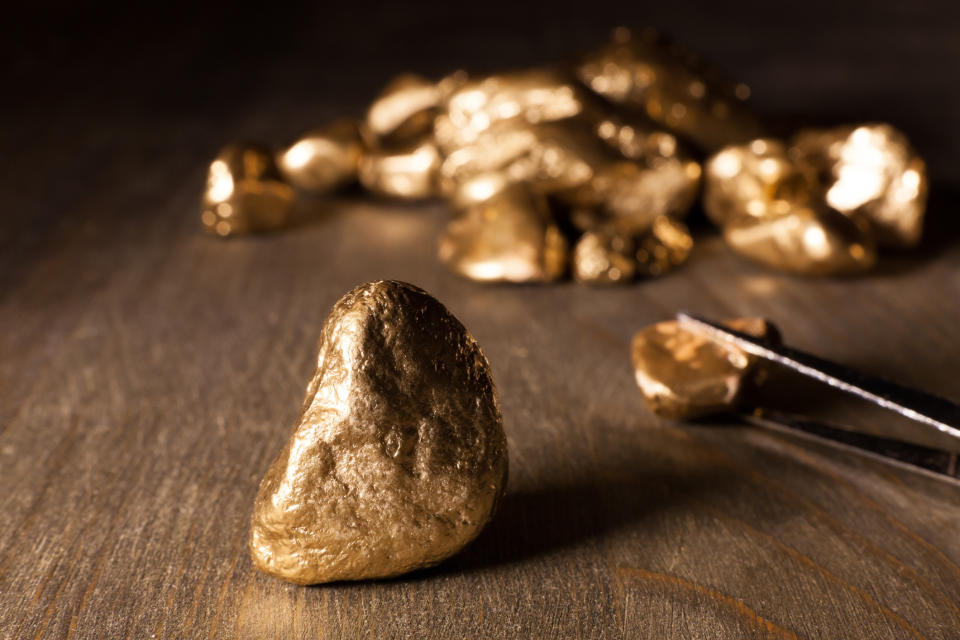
x,y
932,412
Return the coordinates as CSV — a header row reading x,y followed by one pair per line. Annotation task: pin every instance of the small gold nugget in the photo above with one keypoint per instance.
x,y
821,204
684,375
398,458
245,193
550,157
673,88
404,110
805,240
604,256
632,196
409,172
528,97
665,245
871,172
755,180
323,159
508,236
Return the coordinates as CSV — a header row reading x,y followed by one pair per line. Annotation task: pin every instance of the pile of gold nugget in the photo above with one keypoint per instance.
x,y
590,170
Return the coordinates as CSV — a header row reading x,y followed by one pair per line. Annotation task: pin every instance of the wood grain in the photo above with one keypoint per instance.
x,y
142,403
149,374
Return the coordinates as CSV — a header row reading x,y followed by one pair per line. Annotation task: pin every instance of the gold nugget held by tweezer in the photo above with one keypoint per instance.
x,y
682,374
692,367
398,458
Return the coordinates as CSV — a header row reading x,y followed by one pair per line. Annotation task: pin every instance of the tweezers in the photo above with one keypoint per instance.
x,y
831,401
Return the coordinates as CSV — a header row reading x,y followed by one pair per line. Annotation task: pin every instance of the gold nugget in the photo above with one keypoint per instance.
x,y
604,256
323,159
409,172
245,193
755,180
509,236
665,245
549,157
673,88
871,171
805,240
633,196
398,458
534,96
405,110
684,375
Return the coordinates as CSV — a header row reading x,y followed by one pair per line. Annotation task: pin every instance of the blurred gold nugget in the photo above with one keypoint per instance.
x,y
755,181
398,458
671,87
604,256
805,240
549,157
821,204
323,159
508,236
534,96
874,173
607,142
407,107
632,196
245,193
684,375
665,245
410,172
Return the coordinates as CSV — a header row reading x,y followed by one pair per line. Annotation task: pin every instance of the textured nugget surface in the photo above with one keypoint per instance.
x,y
398,458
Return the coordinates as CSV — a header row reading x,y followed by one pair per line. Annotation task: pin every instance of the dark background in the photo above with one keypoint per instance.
x,y
148,373
88,85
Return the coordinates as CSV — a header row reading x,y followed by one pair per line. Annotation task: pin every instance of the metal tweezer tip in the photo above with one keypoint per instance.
x,y
905,414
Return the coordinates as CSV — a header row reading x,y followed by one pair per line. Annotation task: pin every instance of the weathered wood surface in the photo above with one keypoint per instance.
x,y
148,375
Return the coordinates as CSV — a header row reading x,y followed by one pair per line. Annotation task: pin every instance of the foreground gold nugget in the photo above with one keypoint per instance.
x,y
684,375
398,458
245,193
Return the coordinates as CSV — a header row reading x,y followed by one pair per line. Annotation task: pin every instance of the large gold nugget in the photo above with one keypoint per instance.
x,y
245,193
323,159
398,458
410,172
685,375
870,171
672,88
754,180
506,237
805,240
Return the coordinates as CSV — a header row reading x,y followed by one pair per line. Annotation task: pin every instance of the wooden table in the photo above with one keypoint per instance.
x,y
149,374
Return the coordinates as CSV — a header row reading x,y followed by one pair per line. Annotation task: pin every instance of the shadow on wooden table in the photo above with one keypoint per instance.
x,y
548,522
